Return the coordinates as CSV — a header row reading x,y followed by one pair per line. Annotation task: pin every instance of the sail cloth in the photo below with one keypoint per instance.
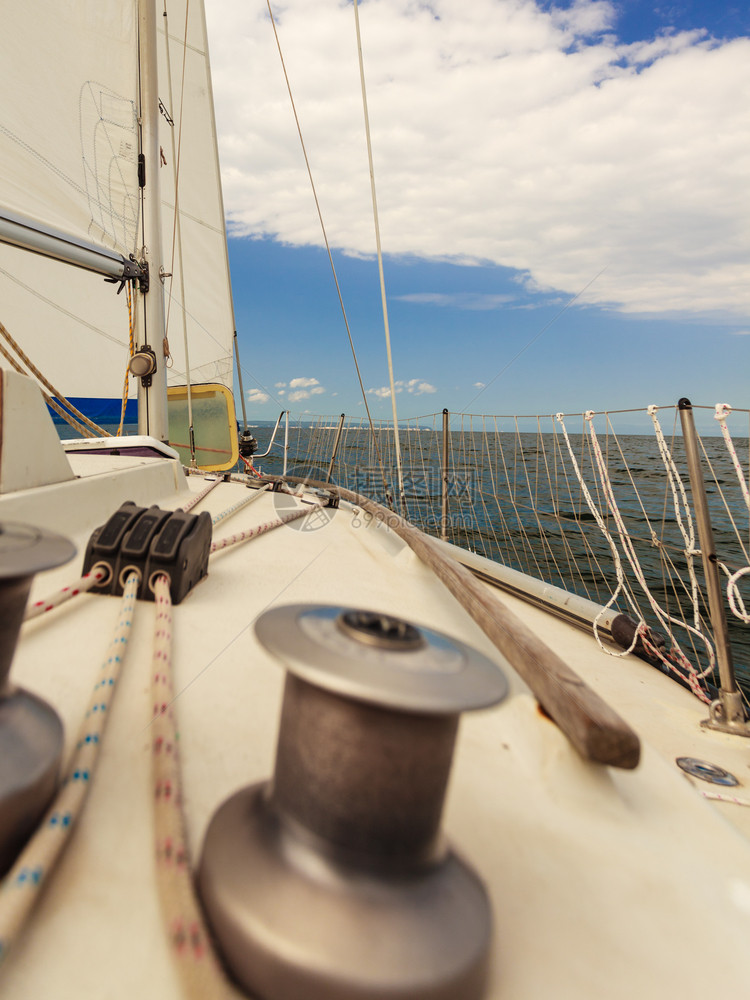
x,y
68,141
68,163
198,295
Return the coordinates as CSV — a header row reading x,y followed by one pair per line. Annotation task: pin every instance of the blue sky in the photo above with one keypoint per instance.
x,y
570,234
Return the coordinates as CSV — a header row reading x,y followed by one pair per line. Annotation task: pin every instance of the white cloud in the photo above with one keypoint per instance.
x,y
257,396
415,386
479,385
279,385
419,388
505,133
382,393
303,388
741,333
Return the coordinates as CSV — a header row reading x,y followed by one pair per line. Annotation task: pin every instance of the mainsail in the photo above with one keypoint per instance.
x,y
69,145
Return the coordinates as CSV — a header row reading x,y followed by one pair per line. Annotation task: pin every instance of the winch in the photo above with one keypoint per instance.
x,y
31,733
333,880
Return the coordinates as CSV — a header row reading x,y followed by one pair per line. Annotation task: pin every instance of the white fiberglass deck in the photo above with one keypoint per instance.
x,y
604,883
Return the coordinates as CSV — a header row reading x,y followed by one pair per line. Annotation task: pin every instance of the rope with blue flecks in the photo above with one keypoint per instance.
x,y
21,886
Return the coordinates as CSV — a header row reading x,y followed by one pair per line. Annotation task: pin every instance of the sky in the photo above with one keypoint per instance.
x,y
562,191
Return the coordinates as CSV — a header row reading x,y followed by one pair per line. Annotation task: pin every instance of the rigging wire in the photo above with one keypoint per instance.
x,y
330,258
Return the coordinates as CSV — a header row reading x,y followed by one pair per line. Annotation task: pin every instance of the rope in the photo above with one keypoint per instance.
x,y
131,352
691,674
255,494
688,534
189,940
33,868
733,594
83,431
261,529
98,431
212,484
374,439
81,586
682,667
621,588
722,411
47,398
722,797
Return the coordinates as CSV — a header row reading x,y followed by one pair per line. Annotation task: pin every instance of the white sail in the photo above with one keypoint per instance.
x,y
68,160
198,300
68,142
69,163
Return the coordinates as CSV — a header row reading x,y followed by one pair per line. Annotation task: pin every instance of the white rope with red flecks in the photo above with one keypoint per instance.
x,y
677,662
86,582
188,936
733,593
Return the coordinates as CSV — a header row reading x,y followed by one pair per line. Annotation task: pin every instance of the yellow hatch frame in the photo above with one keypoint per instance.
x,y
214,425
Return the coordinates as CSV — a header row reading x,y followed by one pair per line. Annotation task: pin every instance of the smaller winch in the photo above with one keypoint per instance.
x,y
151,542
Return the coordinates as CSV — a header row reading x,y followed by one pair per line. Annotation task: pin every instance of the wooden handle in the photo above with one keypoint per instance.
x,y
591,725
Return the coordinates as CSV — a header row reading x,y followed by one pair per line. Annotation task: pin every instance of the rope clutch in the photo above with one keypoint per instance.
x,y
151,542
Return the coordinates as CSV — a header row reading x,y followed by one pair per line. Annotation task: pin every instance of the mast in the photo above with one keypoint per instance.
x,y
152,389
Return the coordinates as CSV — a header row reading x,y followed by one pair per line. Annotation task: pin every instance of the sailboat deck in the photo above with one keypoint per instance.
x,y
603,882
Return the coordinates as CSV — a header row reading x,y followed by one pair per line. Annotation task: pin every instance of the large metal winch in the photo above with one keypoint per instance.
x,y
333,880
31,732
